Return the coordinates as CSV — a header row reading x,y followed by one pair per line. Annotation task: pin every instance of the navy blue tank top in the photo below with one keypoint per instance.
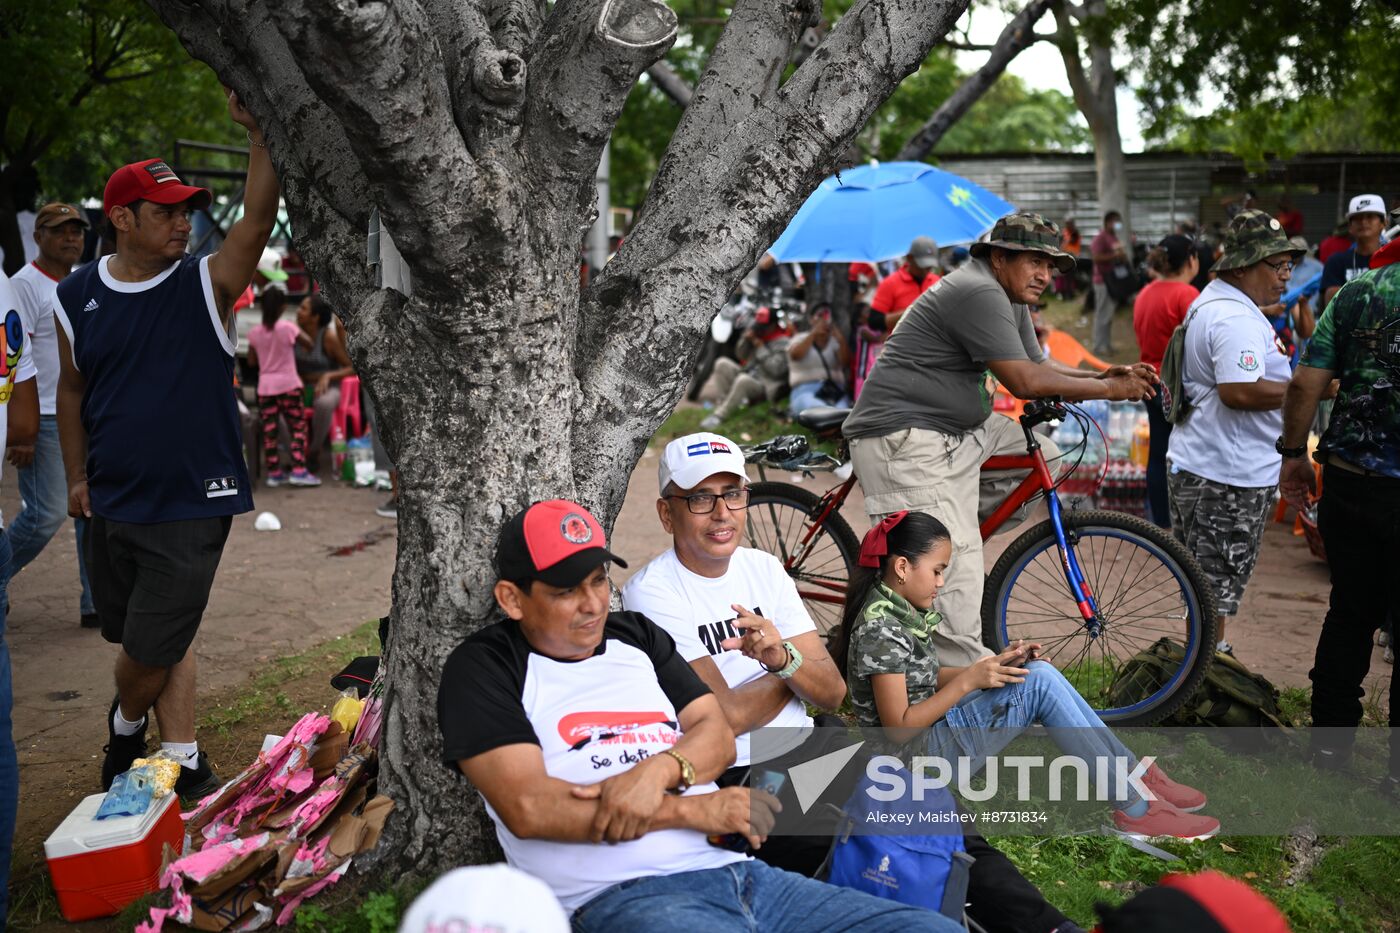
x,y
164,438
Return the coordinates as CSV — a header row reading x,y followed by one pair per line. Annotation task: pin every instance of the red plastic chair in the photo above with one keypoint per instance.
x,y
347,413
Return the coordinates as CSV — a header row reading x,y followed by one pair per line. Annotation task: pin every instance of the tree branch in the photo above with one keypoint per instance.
x,y
742,74
703,228
378,68
583,65
1014,39
671,84
326,192
1068,41
966,46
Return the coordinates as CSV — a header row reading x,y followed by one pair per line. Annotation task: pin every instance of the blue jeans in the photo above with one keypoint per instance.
x,y
747,896
43,485
984,722
9,764
804,396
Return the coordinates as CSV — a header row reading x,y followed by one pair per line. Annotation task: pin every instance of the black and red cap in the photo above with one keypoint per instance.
x,y
556,541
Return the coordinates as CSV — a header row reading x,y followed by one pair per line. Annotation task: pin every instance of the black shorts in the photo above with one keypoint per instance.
x,y
150,583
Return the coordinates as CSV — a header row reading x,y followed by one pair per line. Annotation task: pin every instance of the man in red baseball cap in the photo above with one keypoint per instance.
x,y
580,727
150,435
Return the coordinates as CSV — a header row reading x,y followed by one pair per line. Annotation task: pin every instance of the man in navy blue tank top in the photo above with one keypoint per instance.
x,y
151,438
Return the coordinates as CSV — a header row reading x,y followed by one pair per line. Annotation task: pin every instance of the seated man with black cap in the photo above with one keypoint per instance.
x,y
581,726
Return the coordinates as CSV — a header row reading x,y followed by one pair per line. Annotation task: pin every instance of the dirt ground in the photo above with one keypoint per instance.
x,y
329,569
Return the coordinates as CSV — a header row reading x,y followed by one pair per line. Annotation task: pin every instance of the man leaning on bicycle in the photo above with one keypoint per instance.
x,y
924,425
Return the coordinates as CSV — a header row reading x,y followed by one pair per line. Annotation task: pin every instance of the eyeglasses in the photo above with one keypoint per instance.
x,y
703,503
1283,267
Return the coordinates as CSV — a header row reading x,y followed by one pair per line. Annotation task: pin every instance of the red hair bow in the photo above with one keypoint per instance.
x,y
875,546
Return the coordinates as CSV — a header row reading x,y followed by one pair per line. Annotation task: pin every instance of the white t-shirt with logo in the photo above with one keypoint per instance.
x,y
697,612
1228,340
34,297
16,363
592,719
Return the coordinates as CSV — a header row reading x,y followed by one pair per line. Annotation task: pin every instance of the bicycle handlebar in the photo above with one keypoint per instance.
x,y
1043,411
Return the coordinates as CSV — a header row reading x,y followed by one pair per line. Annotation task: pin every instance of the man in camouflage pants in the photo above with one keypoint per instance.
x,y
1358,343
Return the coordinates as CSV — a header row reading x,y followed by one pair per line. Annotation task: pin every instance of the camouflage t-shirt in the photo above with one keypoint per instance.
x,y
1358,338
892,638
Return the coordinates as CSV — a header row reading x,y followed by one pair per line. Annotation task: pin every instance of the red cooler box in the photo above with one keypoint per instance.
x,y
100,866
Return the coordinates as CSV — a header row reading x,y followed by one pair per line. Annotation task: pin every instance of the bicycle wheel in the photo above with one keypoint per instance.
x,y
1147,586
819,558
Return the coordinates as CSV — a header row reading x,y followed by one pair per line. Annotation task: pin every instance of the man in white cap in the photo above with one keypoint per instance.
x,y
736,617
59,232
1365,221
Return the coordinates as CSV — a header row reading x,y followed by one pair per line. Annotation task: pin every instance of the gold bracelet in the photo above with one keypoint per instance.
x,y
254,142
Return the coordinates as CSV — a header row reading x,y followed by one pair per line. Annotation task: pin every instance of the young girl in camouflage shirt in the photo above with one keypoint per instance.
x,y
885,648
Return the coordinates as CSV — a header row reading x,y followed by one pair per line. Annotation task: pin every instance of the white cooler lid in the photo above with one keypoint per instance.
x,y
80,832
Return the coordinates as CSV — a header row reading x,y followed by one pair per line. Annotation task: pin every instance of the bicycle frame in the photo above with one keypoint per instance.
x,y
1039,480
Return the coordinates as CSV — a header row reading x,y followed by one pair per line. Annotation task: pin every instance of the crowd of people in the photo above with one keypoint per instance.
x,y
615,749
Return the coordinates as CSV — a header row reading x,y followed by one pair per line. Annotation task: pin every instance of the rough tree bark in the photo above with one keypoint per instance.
x,y
1018,36
1095,91
475,126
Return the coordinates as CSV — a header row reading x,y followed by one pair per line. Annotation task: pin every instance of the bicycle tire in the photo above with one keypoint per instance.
x,y
778,517
1033,562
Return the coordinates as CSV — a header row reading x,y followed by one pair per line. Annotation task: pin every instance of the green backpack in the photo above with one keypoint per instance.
x,y
1175,405
1231,695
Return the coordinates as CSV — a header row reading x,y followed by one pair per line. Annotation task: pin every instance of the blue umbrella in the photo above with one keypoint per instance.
x,y
871,213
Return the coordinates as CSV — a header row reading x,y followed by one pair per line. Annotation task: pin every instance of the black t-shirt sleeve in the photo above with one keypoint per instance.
x,y
479,707
678,681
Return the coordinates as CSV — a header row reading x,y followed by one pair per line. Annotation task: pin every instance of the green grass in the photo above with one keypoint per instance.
x,y
1349,890
265,695
751,425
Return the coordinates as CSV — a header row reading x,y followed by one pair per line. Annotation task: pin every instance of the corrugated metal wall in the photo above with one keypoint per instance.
x,y
1165,188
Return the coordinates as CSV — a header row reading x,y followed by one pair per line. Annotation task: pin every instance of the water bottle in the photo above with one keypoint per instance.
x,y
337,447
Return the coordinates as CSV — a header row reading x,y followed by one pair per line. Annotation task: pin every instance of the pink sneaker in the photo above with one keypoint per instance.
x,y
302,477
1164,821
1185,799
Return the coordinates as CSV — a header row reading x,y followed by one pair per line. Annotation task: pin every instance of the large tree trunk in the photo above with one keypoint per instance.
x,y
475,126
1095,93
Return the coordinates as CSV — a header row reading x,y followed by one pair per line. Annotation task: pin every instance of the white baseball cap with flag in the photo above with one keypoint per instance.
x,y
1366,204
689,461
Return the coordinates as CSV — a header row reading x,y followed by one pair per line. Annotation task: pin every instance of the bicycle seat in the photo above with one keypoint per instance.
x,y
823,418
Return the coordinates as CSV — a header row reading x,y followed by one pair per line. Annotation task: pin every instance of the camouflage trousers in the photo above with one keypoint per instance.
x,y
1223,526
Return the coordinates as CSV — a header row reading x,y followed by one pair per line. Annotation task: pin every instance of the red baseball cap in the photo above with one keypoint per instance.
x,y
151,180
557,541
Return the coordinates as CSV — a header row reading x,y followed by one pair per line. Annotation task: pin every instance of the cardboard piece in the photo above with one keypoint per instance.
x,y
281,832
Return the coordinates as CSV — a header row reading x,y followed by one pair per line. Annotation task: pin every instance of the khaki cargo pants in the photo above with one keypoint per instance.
x,y
941,474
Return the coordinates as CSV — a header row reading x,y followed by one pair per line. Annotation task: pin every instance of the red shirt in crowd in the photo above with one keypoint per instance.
x,y
1291,221
858,269
1331,246
1159,308
898,291
1103,242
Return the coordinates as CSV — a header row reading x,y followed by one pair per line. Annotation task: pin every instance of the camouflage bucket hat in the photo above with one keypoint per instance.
x,y
1025,231
1253,237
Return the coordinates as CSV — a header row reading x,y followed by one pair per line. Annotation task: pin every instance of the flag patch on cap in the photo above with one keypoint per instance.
x,y
696,450
716,447
162,173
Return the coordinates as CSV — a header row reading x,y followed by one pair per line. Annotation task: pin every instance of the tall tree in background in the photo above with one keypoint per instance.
x,y
1085,39
87,86
476,126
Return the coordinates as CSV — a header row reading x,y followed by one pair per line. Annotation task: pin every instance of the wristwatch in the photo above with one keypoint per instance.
x,y
687,771
794,662
1291,453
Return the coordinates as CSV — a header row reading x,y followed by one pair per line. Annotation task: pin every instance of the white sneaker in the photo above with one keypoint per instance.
x,y
710,422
